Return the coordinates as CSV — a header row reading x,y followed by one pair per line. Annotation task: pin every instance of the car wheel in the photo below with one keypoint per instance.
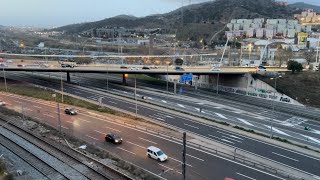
x,y
149,156
159,160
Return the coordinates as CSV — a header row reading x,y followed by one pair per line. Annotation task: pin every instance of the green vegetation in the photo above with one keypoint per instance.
x,y
3,171
294,66
303,86
35,92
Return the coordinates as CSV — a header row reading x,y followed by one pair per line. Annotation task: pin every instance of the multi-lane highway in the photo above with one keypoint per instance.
x,y
294,159
93,126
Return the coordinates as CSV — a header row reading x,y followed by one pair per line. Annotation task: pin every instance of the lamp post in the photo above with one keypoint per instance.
x,y
5,79
274,95
135,93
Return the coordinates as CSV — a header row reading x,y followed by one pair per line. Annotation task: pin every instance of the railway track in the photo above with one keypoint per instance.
x,y
51,159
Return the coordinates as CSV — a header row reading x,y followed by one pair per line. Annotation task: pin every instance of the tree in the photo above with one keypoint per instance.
x,y
309,55
284,56
294,66
178,62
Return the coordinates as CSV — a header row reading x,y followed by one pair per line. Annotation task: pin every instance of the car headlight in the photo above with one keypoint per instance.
x,y
116,140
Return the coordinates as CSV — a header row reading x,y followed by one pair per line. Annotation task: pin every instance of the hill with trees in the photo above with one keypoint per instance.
x,y
302,5
199,21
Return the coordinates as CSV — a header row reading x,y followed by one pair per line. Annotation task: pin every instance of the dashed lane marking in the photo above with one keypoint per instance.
x,y
136,144
311,138
191,126
147,140
126,150
181,105
220,115
195,157
277,130
285,156
245,176
92,137
113,129
245,122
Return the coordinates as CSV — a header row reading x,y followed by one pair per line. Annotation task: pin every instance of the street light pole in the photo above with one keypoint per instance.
x,y
135,93
218,83
5,79
61,84
273,102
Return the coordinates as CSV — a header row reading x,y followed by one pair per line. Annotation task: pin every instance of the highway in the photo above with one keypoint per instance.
x,y
284,125
93,126
282,155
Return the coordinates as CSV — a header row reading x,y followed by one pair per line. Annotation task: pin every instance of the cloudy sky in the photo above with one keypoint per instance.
x,y
47,13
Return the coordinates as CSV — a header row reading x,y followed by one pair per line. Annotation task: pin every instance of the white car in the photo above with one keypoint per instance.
x,y
215,69
156,153
134,68
2,103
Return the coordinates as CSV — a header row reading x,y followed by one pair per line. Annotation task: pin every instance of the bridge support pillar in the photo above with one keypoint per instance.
x,y
68,77
175,87
124,79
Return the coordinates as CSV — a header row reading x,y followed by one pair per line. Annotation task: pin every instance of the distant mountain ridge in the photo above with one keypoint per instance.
x,y
302,5
199,20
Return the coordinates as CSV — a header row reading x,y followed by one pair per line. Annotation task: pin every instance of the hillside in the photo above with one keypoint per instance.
x,y
302,5
200,20
304,86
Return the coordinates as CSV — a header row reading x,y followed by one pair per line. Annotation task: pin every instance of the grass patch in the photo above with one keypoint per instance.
x,y
4,175
303,86
45,94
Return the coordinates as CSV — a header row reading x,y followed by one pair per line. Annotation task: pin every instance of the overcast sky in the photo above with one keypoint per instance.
x,y
47,13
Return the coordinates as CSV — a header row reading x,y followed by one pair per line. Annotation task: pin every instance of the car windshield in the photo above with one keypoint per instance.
x,y
160,153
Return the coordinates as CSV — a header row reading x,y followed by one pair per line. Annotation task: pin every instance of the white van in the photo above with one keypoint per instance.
x,y
156,153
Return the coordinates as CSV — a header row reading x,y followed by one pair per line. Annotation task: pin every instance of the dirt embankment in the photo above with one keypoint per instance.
x,y
304,86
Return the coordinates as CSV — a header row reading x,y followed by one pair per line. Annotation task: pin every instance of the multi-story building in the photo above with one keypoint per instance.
x,y
308,16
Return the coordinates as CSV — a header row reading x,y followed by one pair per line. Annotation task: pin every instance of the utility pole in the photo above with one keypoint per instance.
x,y
61,83
184,156
135,93
59,120
5,79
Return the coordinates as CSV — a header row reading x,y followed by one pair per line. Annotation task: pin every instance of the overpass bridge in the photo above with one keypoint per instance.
x,y
162,70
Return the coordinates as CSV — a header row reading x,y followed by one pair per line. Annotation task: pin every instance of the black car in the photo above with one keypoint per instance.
x,y
70,111
179,69
123,67
67,65
145,67
113,138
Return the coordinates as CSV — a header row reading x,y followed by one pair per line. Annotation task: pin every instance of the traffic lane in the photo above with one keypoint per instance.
x,y
251,145
131,148
90,135
261,151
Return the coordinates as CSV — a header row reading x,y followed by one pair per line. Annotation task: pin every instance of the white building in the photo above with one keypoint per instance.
x,y
259,33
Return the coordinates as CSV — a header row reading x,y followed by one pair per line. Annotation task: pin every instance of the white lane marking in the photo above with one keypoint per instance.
x,y
100,132
237,112
277,130
64,127
49,115
112,102
160,114
133,108
136,145
77,92
245,122
147,140
200,103
316,132
126,150
125,92
194,157
311,138
227,141
150,98
83,120
191,126
246,176
217,107
198,109
92,137
165,166
113,129
164,101
70,122
161,119
181,105
37,107
179,161
220,115
231,139
233,136
285,156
